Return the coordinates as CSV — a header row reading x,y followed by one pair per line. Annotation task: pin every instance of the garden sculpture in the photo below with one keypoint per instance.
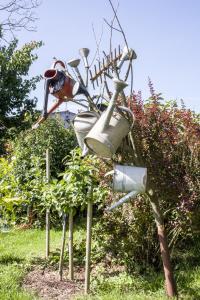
x,y
103,124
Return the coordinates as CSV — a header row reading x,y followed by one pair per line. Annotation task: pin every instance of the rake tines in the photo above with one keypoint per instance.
x,y
107,66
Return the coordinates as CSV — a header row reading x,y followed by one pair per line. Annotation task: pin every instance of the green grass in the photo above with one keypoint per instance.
x,y
126,287
114,295
18,249
10,279
26,244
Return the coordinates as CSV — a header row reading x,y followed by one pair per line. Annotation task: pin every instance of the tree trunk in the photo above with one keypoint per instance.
x,y
165,255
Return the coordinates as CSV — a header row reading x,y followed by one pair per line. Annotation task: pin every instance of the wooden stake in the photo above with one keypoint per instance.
x,y
71,254
88,243
47,210
61,262
47,232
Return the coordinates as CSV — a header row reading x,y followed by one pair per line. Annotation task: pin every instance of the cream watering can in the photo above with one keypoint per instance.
x,y
128,179
106,135
82,124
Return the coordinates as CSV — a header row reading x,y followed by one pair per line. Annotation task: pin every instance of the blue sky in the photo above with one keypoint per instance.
x,y
164,34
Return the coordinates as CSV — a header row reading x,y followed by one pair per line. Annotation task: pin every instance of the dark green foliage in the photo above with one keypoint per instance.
x,y
32,145
127,236
15,88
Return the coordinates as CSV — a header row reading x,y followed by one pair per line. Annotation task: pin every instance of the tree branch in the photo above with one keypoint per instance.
x,y
17,15
125,40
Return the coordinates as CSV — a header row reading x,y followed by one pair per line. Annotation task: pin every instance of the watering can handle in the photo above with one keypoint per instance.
x,y
130,112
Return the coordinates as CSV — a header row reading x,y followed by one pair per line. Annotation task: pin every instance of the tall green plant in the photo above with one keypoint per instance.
x,y
71,191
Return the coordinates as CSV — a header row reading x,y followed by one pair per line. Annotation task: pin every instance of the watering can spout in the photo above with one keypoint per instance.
x,y
119,85
122,200
85,151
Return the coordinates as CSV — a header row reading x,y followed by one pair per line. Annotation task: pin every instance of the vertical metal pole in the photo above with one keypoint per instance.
x,y
71,254
62,246
88,243
47,210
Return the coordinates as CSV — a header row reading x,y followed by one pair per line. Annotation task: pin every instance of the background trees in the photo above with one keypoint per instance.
x,y
15,87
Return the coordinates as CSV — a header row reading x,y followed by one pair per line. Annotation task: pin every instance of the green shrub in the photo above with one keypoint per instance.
x,y
23,176
166,141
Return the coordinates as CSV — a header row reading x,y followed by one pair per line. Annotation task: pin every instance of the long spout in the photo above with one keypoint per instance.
x,y
119,85
124,199
43,118
46,96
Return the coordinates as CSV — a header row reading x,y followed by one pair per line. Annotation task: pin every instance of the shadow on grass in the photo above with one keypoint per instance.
x,y
10,259
192,294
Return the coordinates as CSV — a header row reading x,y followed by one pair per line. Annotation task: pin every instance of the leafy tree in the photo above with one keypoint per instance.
x,y
71,191
15,87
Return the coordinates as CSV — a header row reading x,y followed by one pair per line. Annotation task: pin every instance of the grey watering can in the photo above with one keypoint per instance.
x,y
82,123
106,135
128,179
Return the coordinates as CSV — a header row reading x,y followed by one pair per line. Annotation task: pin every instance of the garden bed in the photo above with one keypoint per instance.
x,y
47,285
